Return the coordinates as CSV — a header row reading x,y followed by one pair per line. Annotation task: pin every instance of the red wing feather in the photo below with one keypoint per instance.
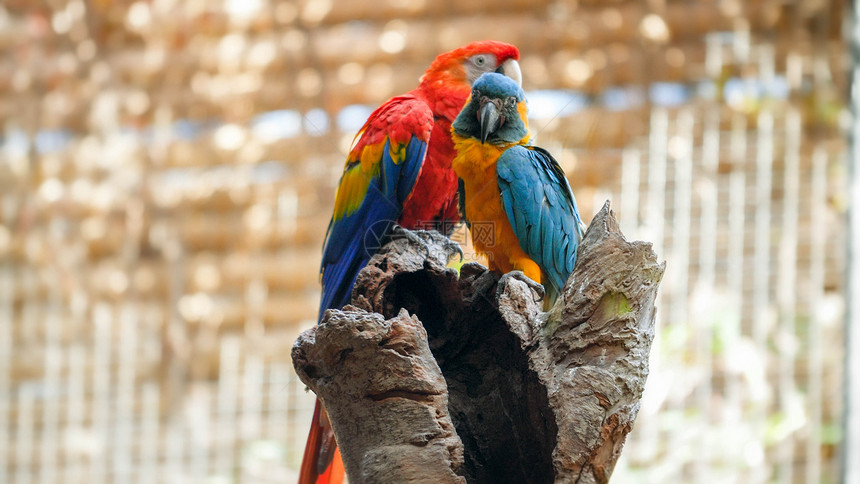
x,y
322,463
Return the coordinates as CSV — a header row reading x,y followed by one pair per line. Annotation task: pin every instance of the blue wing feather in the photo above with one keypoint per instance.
x,y
549,247
354,238
415,150
541,209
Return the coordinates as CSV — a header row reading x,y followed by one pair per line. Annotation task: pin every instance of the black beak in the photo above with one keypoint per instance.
x,y
490,118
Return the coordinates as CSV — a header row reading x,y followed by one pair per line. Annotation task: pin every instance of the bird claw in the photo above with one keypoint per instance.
x,y
519,275
456,247
398,232
450,246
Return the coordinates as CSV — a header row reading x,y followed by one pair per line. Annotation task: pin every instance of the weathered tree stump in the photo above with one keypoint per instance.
x,y
533,396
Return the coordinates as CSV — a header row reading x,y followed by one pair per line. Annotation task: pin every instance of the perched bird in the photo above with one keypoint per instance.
x,y
398,172
515,196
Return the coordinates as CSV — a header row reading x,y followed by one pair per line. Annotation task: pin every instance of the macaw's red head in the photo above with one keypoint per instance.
x,y
447,83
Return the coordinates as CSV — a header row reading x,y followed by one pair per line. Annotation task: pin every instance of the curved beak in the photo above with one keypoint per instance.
x,y
490,118
511,68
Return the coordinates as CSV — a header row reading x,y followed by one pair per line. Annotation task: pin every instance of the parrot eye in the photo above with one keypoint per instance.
x,y
479,64
511,102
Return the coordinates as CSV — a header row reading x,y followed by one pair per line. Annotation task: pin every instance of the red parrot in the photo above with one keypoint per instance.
x,y
398,172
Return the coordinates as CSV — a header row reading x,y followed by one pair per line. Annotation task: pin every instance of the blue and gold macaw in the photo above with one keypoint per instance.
x,y
516,191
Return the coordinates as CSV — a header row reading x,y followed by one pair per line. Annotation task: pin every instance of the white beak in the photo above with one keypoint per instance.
x,y
511,68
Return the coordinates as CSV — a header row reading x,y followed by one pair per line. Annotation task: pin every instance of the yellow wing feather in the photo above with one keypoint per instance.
x,y
356,179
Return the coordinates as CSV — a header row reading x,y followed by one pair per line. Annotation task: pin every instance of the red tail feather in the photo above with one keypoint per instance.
x,y
322,463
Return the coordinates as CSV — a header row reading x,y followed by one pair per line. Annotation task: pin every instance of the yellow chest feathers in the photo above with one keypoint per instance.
x,y
475,164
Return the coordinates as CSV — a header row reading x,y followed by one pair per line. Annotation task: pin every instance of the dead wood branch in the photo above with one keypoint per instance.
x,y
533,396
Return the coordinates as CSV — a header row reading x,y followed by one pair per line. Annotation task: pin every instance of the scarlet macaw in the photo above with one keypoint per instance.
x,y
399,171
516,189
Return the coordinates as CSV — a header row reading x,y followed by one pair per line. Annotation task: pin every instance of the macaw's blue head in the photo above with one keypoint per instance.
x,y
496,112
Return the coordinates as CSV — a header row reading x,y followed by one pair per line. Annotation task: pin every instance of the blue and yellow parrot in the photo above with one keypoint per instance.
x,y
515,196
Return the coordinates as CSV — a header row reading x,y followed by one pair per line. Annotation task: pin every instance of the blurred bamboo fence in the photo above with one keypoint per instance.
x,y
167,170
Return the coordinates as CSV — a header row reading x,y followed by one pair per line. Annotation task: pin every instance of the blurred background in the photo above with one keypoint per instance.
x,y
167,171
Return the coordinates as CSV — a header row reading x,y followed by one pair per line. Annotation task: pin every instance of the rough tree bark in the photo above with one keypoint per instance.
x,y
494,390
